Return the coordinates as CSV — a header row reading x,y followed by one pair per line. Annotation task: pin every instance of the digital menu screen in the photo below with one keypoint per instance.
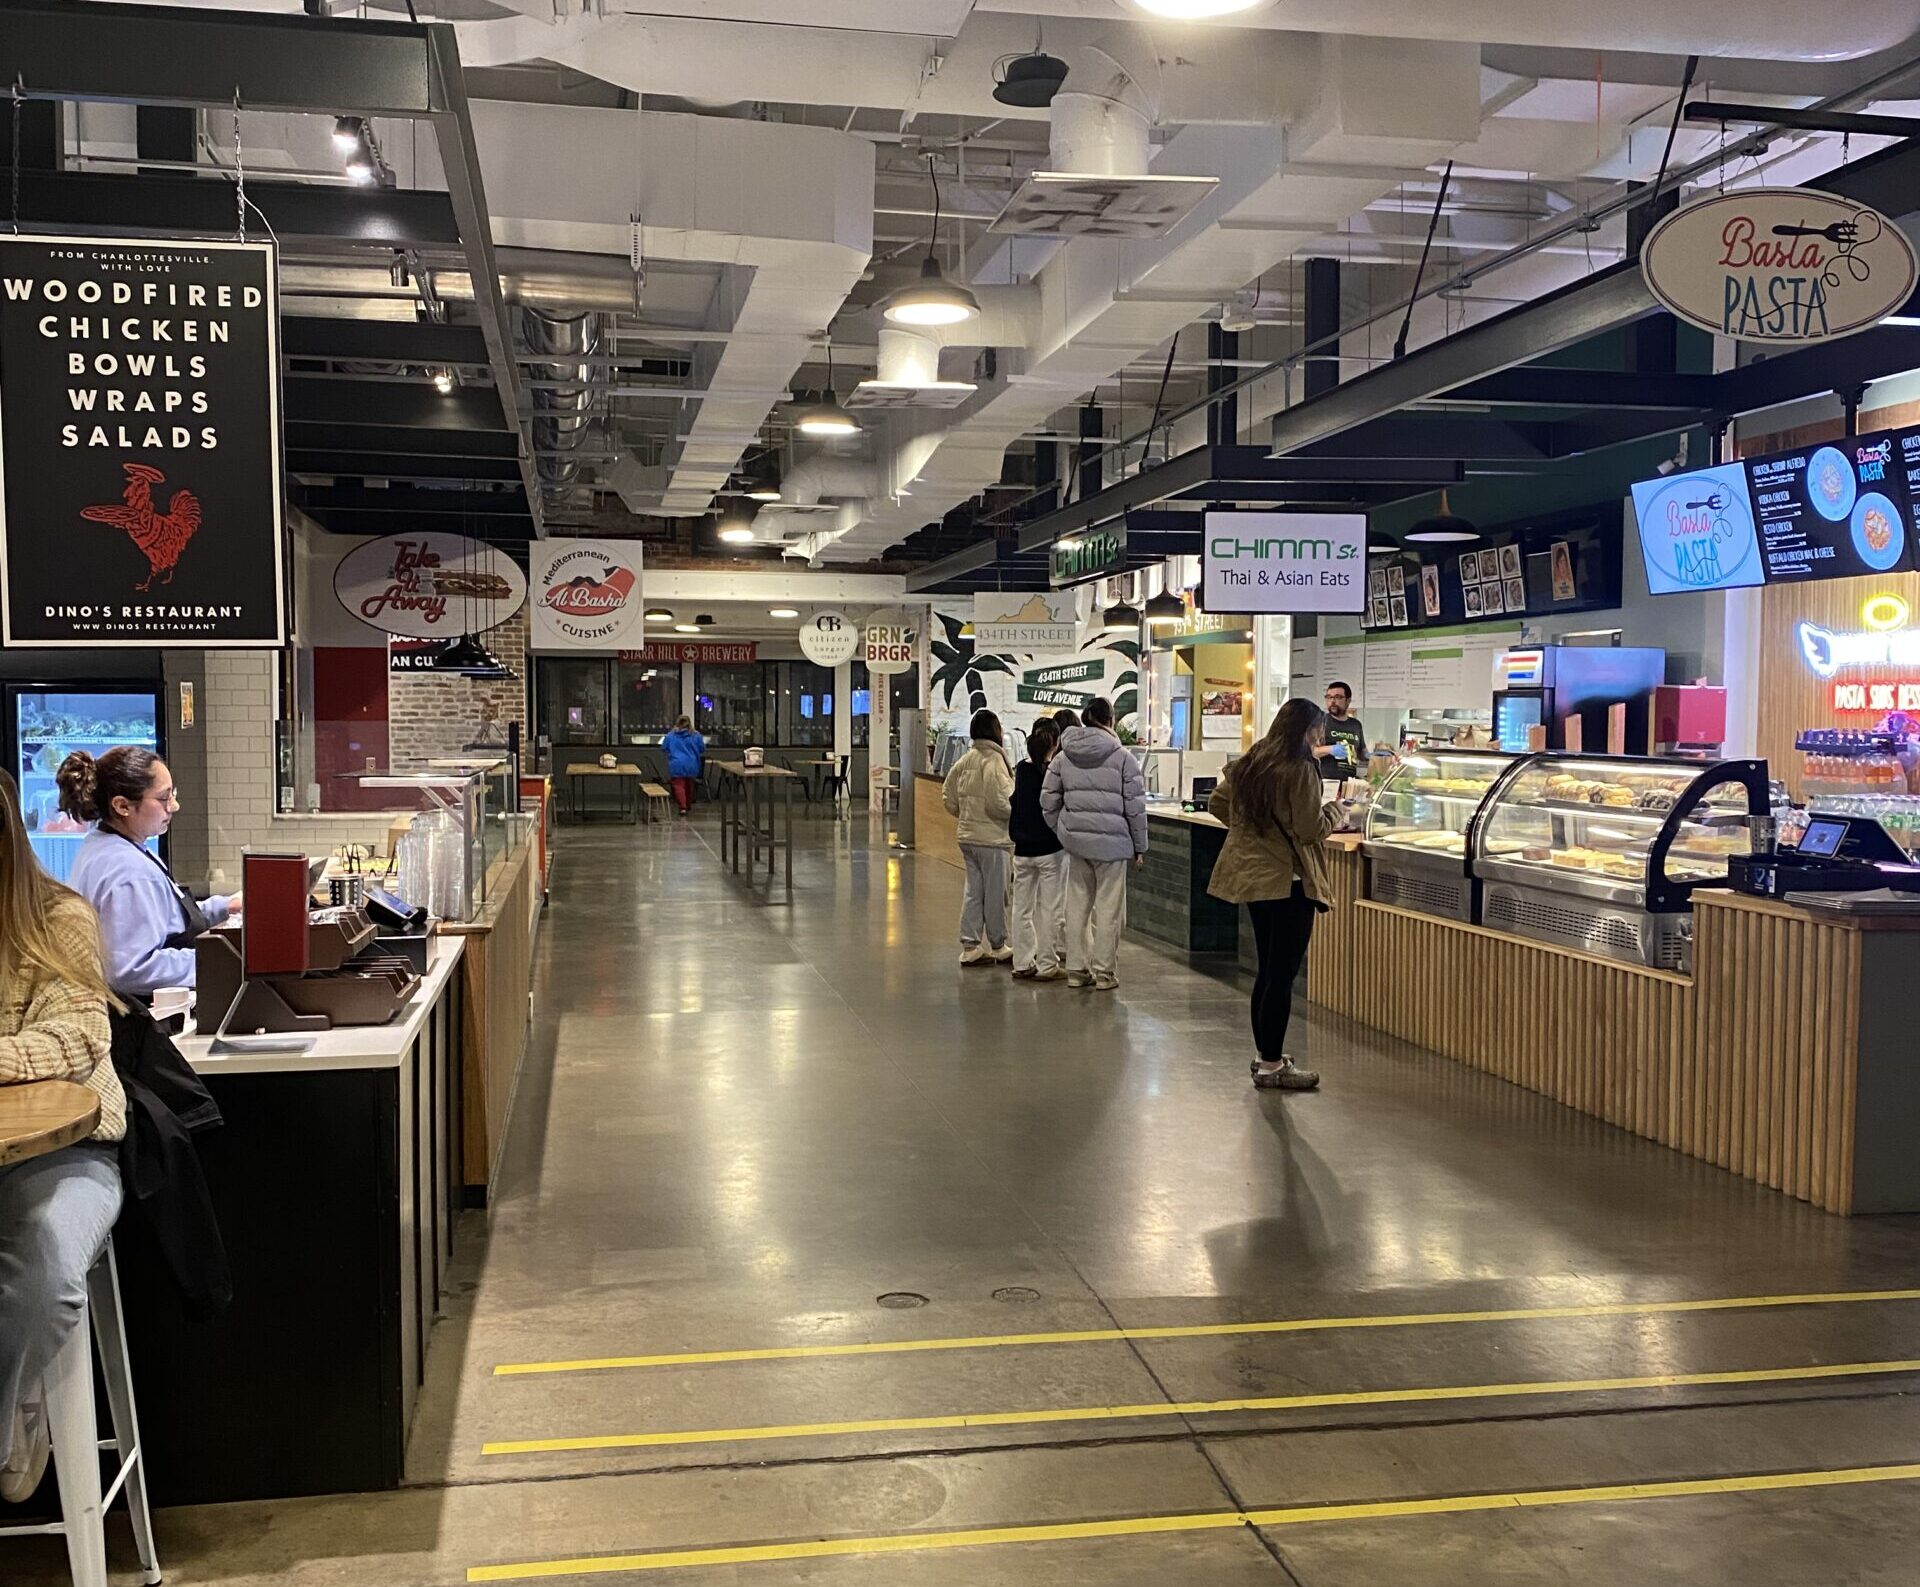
x,y
1697,531
1837,510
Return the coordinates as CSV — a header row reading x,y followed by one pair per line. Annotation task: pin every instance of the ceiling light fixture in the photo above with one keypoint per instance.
x,y
360,169
1445,525
764,491
1381,548
826,417
347,133
658,614
1198,10
686,628
443,382
1120,618
703,620
933,299
1165,610
784,611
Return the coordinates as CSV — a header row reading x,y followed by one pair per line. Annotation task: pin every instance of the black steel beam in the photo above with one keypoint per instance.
x,y
382,341
159,55
1607,299
383,441
1309,495
398,465
1811,371
495,529
98,201
1537,386
1728,112
411,499
460,161
1440,436
390,405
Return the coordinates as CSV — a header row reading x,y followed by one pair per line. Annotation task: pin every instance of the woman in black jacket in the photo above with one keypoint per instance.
x,y
1039,868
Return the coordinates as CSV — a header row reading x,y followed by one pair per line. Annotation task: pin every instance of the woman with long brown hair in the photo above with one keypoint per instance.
x,y
1275,862
56,1210
147,920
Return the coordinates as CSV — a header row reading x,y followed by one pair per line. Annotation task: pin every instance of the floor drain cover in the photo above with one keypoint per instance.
x,y
901,1300
1016,1295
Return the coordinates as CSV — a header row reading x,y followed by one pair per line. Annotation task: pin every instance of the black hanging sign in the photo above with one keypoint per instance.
x,y
140,477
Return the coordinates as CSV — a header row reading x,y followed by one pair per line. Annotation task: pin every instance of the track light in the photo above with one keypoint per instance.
x,y
932,300
348,134
360,168
443,381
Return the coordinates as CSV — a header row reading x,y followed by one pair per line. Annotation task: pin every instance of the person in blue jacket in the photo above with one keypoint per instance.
x,y
686,755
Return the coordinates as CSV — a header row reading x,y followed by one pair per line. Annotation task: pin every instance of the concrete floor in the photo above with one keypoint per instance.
x,y
741,1123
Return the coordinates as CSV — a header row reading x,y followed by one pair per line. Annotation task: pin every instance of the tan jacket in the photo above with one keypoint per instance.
x,y
979,790
1263,862
51,1029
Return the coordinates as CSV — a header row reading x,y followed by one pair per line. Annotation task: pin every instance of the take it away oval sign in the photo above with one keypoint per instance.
x,y
1789,266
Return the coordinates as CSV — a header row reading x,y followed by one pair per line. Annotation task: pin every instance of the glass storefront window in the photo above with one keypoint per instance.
x,y
861,703
806,703
649,695
730,703
573,701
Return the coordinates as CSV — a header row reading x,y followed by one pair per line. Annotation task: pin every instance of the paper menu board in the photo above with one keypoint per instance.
x,y
1837,510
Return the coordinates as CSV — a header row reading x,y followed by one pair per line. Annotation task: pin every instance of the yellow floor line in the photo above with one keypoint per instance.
x,y
1152,1525
1649,1308
1287,1402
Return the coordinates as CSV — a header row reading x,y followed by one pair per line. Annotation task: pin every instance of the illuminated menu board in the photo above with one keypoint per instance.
x,y
1838,510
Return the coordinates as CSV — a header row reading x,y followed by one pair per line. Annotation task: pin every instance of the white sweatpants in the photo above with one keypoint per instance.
x,y
1039,911
1096,903
983,910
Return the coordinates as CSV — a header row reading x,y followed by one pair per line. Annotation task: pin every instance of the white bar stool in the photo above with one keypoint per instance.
x,y
75,1429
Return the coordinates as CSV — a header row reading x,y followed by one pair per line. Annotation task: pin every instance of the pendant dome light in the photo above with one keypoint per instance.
x,y
933,299
1165,610
658,614
467,655
1444,526
826,417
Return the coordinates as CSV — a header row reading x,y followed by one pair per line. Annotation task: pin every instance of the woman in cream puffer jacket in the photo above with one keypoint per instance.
x,y
979,794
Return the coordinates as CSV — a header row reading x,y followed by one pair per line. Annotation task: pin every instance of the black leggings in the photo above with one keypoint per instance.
x,y
1281,929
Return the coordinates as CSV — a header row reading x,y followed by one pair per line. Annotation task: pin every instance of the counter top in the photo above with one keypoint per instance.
x,y
1193,818
347,1047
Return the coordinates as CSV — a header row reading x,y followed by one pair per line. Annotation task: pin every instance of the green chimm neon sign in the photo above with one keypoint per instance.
x,y
1088,556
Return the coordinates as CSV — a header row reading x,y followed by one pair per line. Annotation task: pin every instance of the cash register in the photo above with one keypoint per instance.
x,y
1836,854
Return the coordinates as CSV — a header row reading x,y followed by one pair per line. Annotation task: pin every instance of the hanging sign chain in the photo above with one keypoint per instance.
x,y
239,173
19,100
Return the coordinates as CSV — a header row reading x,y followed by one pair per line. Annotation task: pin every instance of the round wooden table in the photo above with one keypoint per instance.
x,y
43,1117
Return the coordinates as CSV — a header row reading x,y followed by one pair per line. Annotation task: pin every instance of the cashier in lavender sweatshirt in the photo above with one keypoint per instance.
x,y
147,920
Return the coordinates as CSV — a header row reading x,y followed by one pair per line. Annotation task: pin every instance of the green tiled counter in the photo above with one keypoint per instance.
x,y
1167,901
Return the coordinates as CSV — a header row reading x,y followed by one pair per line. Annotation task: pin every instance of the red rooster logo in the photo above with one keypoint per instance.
x,y
161,536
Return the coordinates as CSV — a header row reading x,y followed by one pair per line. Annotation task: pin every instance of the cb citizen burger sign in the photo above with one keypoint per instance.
x,y
586,595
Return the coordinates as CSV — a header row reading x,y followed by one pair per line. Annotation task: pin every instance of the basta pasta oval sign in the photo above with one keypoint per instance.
x,y
1785,267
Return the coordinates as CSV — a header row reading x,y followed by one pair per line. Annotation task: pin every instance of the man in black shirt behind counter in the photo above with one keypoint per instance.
x,y
1343,728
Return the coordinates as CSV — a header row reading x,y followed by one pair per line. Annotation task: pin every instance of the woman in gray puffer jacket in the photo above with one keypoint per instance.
x,y
1095,800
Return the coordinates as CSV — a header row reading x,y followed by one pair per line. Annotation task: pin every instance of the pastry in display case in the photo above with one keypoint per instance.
x,y
1419,827
1602,852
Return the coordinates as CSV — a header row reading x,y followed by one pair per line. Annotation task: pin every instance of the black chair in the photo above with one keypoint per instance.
x,y
838,786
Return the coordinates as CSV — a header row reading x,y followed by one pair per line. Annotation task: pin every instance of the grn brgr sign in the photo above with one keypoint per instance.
x,y
1092,555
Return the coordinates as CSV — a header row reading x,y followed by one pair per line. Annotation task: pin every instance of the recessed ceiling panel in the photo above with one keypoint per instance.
x,y
1062,204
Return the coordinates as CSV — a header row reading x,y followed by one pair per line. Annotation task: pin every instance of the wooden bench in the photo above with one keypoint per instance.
x,y
659,800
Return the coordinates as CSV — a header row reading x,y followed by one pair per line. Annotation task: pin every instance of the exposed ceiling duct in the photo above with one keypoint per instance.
x,y
785,211
563,404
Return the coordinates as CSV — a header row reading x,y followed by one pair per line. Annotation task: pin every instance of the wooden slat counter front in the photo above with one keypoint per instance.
x,y
1786,1057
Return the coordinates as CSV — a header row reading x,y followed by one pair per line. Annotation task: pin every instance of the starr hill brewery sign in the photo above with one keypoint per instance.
x,y
1786,267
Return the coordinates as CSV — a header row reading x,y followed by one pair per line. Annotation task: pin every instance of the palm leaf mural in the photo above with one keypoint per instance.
x,y
1126,687
961,664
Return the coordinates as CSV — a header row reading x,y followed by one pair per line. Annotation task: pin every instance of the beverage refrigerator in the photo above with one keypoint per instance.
x,y
43,722
1543,685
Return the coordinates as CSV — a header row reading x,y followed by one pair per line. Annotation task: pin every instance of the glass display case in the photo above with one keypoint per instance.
x,y
1419,825
467,821
1602,853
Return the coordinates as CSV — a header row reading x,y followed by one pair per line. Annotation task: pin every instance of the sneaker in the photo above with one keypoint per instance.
x,y
28,1463
1052,972
977,954
1001,955
1106,983
1027,973
1288,1076
1079,978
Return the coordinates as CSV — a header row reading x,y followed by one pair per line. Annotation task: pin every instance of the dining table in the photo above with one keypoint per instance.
x,y
42,1116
